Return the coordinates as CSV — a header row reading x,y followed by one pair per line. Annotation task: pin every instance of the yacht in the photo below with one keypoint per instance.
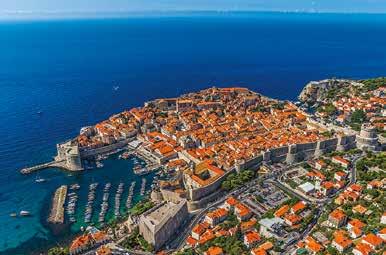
x,y
24,213
74,186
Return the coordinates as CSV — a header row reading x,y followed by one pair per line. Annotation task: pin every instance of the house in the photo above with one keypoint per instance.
x,y
262,249
191,242
362,249
207,236
221,232
251,238
99,237
242,212
355,232
103,250
382,234
359,209
327,188
312,245
282,211
340,176
355,223
319,164
375,184
214,250
216,216
258,251
199,229
298,207
337,218
81,244
341,242
292,219
230,203
341,161
355,188
318,176
374,241
248,225
339,184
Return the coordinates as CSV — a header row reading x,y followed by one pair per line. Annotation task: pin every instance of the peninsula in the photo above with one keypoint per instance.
x,y
245,172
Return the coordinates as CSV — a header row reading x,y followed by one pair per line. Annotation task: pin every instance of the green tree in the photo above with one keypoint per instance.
x,y
358,116
58,251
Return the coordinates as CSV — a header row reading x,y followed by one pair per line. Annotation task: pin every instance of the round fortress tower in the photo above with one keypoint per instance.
x,y
367,138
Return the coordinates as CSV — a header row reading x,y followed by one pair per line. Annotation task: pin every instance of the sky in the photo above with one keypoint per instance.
x,y
15,8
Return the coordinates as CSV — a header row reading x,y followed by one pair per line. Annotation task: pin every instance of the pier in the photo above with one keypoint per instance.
x,y
57,208
58,164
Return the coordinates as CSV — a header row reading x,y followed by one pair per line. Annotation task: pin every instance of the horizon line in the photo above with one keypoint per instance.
x,y
14,15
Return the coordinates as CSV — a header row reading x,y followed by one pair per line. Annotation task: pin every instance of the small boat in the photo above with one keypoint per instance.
x,y
13,214
25,213
39,179
74,186
39,112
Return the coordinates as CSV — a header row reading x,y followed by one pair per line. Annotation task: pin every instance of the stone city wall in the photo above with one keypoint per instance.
x,y
105,149
198,193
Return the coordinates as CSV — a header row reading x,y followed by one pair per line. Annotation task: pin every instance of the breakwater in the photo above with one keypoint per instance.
x,y
57,209
58,164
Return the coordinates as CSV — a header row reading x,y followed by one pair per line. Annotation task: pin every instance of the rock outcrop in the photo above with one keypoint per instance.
x,y
317,91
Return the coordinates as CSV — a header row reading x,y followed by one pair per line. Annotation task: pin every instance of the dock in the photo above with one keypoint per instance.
x,y
146,170
58,164
57,208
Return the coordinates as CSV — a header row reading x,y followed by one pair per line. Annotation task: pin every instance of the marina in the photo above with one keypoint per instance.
x,y
143,187
105,203
90,202
57,209
71,205
118,199
130,195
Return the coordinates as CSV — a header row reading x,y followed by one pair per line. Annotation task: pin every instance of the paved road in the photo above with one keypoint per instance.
x,y
180,242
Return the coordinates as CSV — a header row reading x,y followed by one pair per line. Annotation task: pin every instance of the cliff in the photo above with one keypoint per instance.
x,y
325,90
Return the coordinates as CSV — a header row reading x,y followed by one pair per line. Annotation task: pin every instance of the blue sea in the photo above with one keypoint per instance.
x,y
67,69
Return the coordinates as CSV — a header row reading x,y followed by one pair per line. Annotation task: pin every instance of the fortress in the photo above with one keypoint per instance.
x,y
368,138
69,154
200,196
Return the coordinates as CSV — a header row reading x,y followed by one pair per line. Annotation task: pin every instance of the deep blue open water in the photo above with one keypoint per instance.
x,y
67,69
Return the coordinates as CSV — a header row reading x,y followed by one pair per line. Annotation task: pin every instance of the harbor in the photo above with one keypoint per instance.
x,y
117,203
90,202
148,163
105,203
71,206
130,195
57,208
82,205
57,164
